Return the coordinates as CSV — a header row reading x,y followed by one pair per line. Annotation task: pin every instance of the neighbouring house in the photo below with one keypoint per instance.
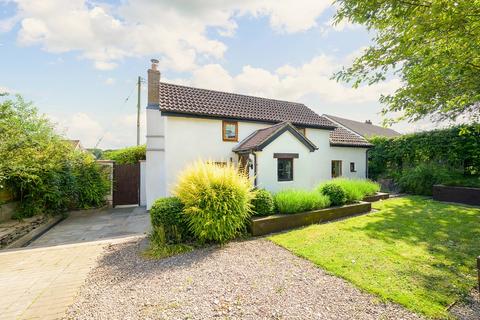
x,y
281,144
77,146
365,129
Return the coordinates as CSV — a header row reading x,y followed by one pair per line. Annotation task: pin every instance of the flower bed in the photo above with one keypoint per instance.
x,y
464,195
279,222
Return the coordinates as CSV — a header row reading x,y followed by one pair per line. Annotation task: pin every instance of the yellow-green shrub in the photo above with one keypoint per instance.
x,y
216,199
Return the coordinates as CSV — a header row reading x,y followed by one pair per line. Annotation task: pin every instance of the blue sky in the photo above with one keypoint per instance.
x,y
78,60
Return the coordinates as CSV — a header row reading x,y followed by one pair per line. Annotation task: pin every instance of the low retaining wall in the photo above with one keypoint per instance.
x,y
376,197
7,210
264,225
457,194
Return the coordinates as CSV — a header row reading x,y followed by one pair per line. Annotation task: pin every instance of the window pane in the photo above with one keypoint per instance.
x,y
285,169
230,130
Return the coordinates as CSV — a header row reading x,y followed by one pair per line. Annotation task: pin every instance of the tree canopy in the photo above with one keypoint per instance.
x,y
432,45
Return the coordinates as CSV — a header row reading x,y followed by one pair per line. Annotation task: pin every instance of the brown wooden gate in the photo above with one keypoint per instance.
x,y
126,184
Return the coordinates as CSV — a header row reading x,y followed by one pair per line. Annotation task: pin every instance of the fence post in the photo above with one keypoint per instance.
x,y
478,269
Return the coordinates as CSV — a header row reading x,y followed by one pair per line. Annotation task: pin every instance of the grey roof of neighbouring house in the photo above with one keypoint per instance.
x,y
176,99
261,138
364,129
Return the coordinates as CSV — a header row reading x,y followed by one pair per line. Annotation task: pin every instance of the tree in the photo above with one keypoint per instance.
x,y
432,45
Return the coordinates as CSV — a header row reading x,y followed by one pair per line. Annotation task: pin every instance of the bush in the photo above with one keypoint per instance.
x,y
294,201
40,168
262,204
126,155
217,200
335,193
167,214
356,189
420,179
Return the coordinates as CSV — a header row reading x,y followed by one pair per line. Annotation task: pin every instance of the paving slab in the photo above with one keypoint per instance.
x,y
84,226
43,279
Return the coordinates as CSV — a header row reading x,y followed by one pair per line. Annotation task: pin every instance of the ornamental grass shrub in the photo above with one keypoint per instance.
x,y
262,203
166,214
294,201
217,200
356,189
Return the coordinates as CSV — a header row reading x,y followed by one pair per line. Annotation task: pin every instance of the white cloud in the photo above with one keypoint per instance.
x,y
110,81
312,79
118,132
174,31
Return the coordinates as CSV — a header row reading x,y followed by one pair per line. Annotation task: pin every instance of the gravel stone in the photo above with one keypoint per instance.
x,y
469,309
253,279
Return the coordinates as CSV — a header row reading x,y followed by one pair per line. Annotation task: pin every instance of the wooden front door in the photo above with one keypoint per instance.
x,y
244,163
126,184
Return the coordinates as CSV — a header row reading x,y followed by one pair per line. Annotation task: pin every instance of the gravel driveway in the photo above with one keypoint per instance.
x,y
252,279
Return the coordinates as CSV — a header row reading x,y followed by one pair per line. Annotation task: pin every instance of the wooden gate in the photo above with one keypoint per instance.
x,y
126,184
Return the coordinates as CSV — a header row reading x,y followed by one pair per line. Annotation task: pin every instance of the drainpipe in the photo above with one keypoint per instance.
x,y
254,169
366,163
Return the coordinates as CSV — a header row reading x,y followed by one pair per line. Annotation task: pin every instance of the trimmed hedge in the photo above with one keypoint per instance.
x,y
334,192
263,204
167,214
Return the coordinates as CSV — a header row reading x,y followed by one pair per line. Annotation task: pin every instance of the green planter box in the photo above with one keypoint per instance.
x,y
264,225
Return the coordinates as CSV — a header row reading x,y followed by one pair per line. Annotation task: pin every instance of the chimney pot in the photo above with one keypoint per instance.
x,y
368,121
154,64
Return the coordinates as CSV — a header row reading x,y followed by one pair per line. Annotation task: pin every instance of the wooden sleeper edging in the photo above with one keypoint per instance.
x,y
264,225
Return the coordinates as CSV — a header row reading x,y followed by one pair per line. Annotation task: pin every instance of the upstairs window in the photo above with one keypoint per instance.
x,y
230,130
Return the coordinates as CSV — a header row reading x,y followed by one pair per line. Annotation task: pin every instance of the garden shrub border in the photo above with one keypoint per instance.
x,y
465,195
279,222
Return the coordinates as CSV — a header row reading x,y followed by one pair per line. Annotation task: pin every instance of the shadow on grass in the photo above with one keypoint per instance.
x,y
449,233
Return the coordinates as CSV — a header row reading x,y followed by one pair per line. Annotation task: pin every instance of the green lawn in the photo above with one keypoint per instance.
x,y
414,251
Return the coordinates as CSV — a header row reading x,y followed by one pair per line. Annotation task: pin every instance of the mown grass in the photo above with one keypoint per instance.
x,y
414,251
294,201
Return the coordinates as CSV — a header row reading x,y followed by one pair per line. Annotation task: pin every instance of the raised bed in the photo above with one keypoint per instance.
x,y
464,195
376,197
279,222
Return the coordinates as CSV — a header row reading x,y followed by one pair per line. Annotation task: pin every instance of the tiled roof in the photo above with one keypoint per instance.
x,y
262,137
202,102
342,137
364,129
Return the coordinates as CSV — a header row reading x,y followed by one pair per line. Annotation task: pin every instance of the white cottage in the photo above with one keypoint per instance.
x,y
283,144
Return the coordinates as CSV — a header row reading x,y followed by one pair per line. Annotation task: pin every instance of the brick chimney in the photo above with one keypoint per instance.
x,y
154,85
368,121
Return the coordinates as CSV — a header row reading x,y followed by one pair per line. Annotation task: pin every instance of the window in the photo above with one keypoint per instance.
x,y
352,167
230,130
336,168
285,169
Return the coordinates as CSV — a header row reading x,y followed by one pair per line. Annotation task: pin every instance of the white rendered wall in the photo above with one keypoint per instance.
x,y
143,195
190,139
155,157
310,168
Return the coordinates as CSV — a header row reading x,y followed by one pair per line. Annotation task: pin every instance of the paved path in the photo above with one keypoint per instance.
x,y
83,226
41,281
